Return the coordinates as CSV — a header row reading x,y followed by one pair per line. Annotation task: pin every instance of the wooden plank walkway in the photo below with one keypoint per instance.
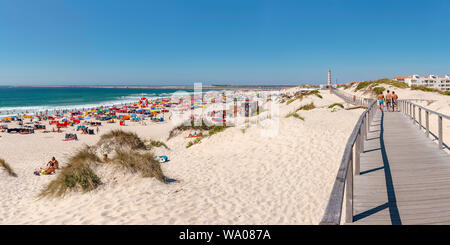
x,y
405,178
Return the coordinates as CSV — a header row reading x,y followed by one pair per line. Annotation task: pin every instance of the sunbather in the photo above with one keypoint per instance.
x,y
53,163
193,135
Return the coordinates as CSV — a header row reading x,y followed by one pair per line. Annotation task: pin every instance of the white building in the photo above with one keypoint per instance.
x,y
432,81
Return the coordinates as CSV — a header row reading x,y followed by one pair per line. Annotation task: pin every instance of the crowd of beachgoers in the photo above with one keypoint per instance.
x,y
239,157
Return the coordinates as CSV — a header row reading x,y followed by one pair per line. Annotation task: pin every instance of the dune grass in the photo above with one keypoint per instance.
x,y
155,143
119,139
427,89
306,107
191,127
196,141
378,82
296,115
7,167
77,175
336,104
143,163
301,95
214,130
348,85
378,90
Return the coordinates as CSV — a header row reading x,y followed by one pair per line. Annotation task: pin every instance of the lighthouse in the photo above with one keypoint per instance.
x,y
329,78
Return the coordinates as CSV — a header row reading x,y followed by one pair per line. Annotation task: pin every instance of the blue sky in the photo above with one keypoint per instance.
x,y
170,42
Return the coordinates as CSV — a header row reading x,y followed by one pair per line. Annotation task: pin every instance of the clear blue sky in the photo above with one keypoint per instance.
x,y
249,42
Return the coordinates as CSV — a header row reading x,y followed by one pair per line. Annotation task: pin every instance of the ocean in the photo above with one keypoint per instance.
x,y
15,100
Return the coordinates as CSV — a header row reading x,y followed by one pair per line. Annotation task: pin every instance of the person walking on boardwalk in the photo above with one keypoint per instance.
x,y
388,100
380,100
394,101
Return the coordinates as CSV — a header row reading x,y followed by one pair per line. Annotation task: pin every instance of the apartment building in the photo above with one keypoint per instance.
x,y
431,81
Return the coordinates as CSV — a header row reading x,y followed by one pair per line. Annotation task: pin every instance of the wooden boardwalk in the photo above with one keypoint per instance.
x,y
405,178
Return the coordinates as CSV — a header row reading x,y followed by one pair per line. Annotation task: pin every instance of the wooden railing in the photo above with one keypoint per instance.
x,y
343,183
409,109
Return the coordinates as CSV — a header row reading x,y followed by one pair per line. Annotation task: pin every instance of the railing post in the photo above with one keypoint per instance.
x,y
362,136
420,118
427,122
357,153
414,114
349,191
411,110
367,124
440,132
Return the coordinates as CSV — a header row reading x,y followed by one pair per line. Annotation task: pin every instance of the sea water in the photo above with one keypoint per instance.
x,y
14,100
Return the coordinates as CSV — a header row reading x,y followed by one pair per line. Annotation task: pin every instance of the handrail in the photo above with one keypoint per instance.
x,y
408,108
349,163
426,109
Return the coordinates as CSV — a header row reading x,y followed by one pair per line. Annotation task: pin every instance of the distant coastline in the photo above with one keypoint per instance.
x,y
208,87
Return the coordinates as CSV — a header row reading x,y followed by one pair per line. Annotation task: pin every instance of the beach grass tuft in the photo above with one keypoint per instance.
x,y
300,95
190,127
296,115
143,163
378,90
117,140
336,104
155,143
7,167
214,130
306,107
427,89
387,81
77,175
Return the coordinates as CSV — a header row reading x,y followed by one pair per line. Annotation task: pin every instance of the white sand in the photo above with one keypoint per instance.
x,y
233,177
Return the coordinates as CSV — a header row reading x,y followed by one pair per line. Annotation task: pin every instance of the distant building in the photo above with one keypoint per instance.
x,y
432,81
328,85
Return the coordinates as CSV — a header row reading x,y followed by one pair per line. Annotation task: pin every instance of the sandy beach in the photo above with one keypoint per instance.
x,y
237,176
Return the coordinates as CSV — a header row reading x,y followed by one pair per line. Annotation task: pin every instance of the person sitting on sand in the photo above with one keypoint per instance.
x,y
53,163
52,166
194,135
